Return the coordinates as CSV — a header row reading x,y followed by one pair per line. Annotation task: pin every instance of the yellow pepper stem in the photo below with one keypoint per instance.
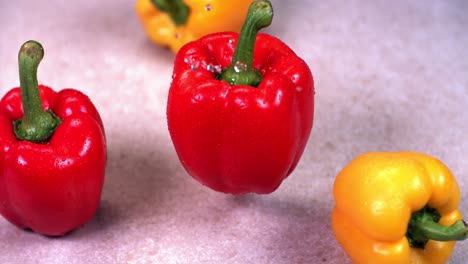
x,y
424,226
177,10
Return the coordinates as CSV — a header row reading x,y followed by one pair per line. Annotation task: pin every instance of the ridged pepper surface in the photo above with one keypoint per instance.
x,y
397,207
52,153
240,108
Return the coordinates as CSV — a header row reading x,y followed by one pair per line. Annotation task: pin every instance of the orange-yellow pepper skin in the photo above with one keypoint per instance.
x,y
375,196
206,16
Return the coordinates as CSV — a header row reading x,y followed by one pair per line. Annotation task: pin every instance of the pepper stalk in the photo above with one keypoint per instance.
x,y
241,70
177,10
424,226
36,125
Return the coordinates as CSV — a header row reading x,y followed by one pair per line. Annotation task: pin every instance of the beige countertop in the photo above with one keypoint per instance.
x,y
389,76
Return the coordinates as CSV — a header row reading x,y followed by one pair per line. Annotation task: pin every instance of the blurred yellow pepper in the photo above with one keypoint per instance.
x,y
397,208
173,23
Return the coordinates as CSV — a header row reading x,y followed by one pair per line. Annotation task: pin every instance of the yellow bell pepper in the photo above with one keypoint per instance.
x,y
397,208
174,23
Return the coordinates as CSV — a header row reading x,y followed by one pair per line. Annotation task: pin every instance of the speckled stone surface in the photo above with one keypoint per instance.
x,y
389,76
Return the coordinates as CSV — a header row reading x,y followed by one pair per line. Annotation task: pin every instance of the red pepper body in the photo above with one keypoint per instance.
x,y
54,187
238,138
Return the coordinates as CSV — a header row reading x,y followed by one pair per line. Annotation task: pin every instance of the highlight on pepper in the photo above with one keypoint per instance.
x,y
173,23
240,107
397,207
52,153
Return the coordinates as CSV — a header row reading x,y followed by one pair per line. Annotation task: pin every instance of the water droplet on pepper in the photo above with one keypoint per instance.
x,y
295,78
240,67
214,68
194,65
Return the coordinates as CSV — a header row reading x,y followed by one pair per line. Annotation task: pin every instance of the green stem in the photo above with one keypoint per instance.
x,y
241,71
36,125
177,10
424,226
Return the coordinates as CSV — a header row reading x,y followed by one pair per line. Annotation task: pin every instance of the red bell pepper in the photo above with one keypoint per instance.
x,y
240,107
52,153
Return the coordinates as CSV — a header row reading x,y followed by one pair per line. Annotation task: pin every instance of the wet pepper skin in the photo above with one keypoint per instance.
x,y
206,16
238,138
55,187
375,196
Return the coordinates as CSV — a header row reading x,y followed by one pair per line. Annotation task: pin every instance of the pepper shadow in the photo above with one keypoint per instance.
x,y
137,185
304,234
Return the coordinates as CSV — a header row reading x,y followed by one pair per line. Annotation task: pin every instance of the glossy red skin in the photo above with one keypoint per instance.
x,y
240,139
55,187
